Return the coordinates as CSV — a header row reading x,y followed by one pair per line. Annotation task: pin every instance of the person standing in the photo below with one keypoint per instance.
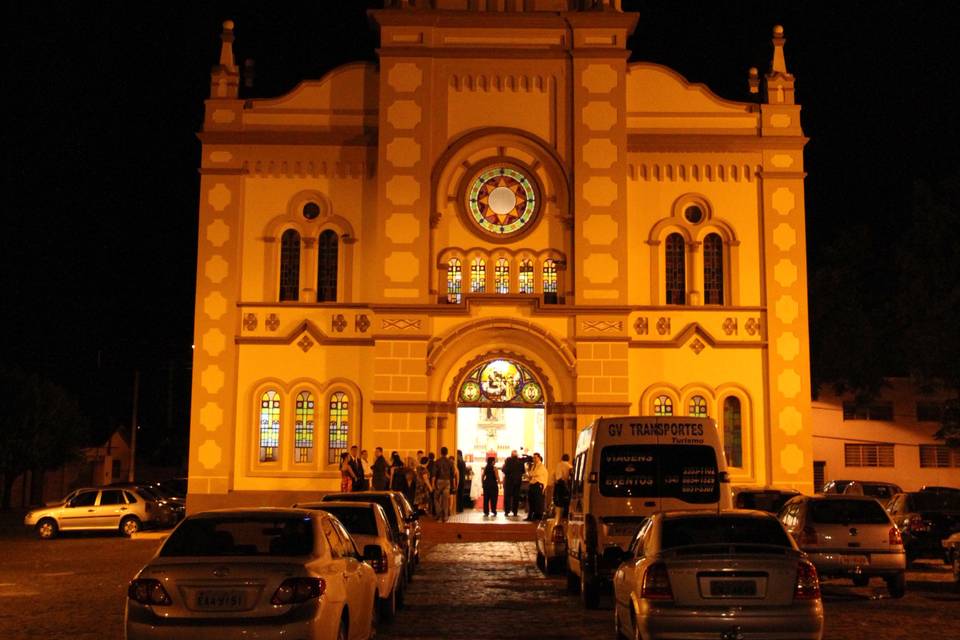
x,y
462,496
367,468
512,480
398,480
346,473
490,479
424,487
379,470
538,481
431,469
359,482
445,473
561,480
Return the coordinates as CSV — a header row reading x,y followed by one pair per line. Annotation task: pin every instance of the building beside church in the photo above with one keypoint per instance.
x,y
502,231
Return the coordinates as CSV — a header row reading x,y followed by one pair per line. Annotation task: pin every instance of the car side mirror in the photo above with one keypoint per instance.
x,y
372,553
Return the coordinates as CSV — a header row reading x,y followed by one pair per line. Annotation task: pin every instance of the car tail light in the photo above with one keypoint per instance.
x,y
808,536
558,534
379,565
148,591
808,585
296,590
917,523
895,537
656,583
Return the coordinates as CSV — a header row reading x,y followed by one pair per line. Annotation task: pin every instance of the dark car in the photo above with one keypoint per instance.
x,y
761,499
169,509
880,491
925,519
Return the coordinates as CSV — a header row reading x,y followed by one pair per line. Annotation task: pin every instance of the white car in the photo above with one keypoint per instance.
x,y
367,524
126,510
264,573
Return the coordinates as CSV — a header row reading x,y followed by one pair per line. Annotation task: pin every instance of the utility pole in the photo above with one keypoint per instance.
x,y
133,425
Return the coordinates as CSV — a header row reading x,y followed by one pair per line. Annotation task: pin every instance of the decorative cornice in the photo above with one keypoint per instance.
x,y
685,141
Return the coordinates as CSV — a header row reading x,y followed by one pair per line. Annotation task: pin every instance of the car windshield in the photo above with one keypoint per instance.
x,y
359,521
934,502
242,535
847,512
680,532
769,501
382,499
685,472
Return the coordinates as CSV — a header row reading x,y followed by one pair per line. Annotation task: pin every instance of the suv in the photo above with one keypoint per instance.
x,y
93,509
925,520
882,491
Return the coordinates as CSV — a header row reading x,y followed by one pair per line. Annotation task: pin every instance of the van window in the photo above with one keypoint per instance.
x,y
683,472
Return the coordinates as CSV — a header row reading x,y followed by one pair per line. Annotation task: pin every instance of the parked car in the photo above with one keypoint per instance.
x,y
761,498
925,519
269,573
732,574
94,509
848,536
367,523
168,510
174,486
552,539
882,491
937,489
952,547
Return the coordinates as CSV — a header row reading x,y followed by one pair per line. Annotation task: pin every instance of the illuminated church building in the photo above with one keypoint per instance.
x,y
498,233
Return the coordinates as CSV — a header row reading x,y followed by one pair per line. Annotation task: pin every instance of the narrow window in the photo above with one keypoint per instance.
x,y
676,276
733,431
502,276
478,276
662,406
289,265
526,276
713,269
327,250
698,407
339,426
550,282
269,426
303,429
454,280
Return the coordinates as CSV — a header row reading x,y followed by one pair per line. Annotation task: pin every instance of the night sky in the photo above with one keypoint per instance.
x,y
100,154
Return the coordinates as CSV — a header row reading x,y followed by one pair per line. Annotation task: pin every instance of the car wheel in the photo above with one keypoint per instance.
x,y
589,589
617,624
541,562
861,581
343,631
47,529
897,585
388,606
129,525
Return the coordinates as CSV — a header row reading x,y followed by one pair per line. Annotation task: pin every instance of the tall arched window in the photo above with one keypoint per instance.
x,y
501,273
269,425
733,431
526,276
713,269
454,280
698,407
550,282
676,276
478,276
338,427
662,406
327,260
303,428
289,265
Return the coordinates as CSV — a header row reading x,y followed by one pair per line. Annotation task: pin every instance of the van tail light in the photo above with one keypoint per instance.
x,y
808,585
895,537
148,591
297,590
558,534
379,564
656,583
917,523
808,536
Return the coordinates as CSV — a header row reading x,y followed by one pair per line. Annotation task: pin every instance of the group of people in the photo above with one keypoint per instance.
x,y
513,470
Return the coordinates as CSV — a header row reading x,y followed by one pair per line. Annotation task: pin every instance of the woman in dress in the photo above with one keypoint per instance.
x,y
398,481
346,473
490,478
424,493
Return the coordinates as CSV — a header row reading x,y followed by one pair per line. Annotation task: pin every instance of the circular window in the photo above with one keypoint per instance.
x,y
502,201
311,210
693,214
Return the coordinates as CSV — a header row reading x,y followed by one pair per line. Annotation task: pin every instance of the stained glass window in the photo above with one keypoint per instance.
x,y
478,276
713,269
662,406
339,426
676,276
550,282
501,382
502,276
454,280
502,201
526,276
698,407
327,250
289,265
733,431
303,429
269,426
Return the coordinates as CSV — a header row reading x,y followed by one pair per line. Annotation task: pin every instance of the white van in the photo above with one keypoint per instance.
x,y
626,469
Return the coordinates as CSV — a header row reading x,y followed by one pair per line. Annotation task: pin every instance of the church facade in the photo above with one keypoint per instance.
x,y
504,214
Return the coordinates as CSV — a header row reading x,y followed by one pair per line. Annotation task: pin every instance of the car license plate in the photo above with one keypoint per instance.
x,y
221,600
854,561
733,588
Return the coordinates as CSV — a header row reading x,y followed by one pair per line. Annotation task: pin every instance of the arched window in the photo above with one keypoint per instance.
x,y
713,269
501,274
303,428
289,265
698,407
733,431
676,276
269,425
550,282
478,276
662,406
327,260
339,426
526,276
454,280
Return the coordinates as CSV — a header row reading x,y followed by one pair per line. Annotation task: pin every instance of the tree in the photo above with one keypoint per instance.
x,y
41,427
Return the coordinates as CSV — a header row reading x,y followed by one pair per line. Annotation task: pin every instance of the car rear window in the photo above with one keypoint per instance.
x,y
243,535
384,500
684,472
847,512
934,502
359,521
681,532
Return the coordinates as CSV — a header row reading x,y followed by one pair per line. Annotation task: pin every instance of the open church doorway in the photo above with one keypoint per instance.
x,y
500,408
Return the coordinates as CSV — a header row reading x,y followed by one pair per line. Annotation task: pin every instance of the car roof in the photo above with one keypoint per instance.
x,y
766,490
250,511
324,504
838,496
737,513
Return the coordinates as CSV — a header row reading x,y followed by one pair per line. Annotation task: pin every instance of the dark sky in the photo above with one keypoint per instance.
x,y
100,154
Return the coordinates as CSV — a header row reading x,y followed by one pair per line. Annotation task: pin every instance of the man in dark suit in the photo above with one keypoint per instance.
x,y
512,480
360,484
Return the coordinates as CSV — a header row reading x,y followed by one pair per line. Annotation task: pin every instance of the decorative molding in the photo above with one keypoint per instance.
x,y
752,326
273,322
499,82
657,172
730,326
305,343
663,326
602,326
697,346
642,326
308,168
250,321
401,324
338,323
361,322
